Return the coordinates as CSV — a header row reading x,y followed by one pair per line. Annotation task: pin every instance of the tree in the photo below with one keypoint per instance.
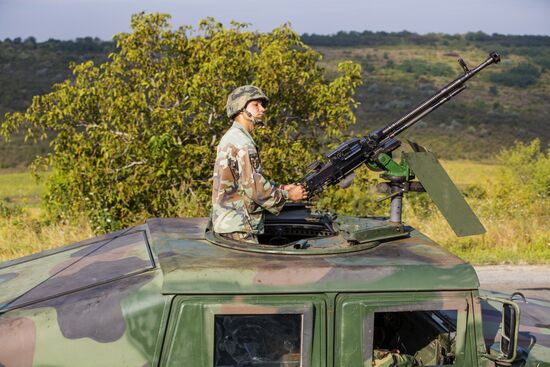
x,y
135,137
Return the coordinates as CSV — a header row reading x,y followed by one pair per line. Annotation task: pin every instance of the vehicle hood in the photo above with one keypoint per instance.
x,y
84,264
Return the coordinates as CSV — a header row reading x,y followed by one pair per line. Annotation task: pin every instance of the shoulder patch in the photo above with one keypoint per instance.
x,y
255,160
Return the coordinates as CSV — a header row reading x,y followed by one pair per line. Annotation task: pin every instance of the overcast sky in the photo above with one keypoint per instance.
x,y
69,19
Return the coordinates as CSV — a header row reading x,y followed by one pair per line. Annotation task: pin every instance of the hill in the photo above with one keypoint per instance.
x,y
29,68
506,102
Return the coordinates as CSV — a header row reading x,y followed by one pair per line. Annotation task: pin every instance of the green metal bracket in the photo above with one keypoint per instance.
x,y
392,168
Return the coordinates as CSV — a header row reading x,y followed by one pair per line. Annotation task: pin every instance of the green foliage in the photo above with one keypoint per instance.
x,y
420,205
367,64
527,174
9,210
522,76
367,67
355,200
135,136
476,192
542,60
423,67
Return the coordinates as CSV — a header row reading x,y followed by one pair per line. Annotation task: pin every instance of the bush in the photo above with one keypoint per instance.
x,y
367,66
422,67
525,174
543,61
522,76
9,210
390,64
358,199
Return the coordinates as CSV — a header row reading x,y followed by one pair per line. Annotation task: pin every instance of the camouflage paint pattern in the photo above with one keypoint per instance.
x,y
149,295
240,192
200,267
94,303
241,237
386,358
76,268
238,99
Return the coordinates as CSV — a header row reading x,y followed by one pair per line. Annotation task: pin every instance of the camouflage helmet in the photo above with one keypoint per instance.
x,y
238,99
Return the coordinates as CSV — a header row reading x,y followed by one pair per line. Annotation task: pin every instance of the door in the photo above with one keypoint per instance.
x,y
427,328
261,330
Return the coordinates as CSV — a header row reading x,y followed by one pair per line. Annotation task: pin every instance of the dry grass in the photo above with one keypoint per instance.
x,y
26,235
516,233
507,240
23,231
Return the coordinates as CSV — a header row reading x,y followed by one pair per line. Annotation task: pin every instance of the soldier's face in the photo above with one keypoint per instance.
x,y
256,108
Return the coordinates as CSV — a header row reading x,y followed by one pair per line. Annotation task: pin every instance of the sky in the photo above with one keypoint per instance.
x,y
69,19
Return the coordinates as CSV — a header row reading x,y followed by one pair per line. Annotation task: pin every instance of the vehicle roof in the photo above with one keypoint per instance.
x,y
193,265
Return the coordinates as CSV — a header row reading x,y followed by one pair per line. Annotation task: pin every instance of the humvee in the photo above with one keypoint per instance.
x,y
320,289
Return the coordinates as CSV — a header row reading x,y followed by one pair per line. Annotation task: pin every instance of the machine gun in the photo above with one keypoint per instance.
x,y
375,150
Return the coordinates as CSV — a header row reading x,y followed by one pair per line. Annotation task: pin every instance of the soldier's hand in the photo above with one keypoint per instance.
x,y
296,192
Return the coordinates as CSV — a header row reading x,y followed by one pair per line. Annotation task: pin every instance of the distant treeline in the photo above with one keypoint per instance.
x,y
342,38
29,68
85,44
369,38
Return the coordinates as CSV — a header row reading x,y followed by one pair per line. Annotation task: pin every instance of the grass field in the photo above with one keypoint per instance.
x,y
511,238
23,230
515,234
20,188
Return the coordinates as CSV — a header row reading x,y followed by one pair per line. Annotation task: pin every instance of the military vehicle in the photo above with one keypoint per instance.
x,y
319,290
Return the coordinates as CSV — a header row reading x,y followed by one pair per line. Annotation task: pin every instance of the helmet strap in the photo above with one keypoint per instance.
x,y
256,121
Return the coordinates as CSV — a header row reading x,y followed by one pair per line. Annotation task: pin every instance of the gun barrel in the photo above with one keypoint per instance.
x,y
343,160
442,96
425,112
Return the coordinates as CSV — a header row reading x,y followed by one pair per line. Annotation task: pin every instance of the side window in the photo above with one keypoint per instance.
x,y
259,340
396,329
423,338
263,331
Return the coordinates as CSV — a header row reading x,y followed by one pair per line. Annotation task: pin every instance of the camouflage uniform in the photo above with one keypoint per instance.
x,y
240,192
386,358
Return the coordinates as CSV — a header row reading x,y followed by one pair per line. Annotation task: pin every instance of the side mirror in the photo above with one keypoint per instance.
x,y
509,330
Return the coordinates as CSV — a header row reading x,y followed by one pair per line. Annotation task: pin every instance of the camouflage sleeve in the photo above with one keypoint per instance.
x,y
255,185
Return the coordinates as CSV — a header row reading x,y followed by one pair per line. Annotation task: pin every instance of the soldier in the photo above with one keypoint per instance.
x,y
240,192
